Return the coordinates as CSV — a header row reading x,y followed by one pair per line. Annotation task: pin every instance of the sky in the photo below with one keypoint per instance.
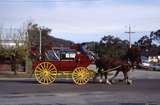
x,y
84,20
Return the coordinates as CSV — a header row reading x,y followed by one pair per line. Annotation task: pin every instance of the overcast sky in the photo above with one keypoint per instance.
x,y
84,20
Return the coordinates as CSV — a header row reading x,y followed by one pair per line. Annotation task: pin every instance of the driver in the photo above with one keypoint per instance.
x,y
84,49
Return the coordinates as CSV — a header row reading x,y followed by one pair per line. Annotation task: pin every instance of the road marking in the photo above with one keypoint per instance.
x,y
67,94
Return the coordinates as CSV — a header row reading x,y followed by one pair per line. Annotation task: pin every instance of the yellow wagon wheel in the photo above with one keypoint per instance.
x,y
45,73
80,75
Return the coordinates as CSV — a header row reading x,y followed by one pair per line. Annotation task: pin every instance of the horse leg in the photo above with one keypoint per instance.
x,y
101,76
106,78
95,77
132,66
115,75
126,79
100,72
97,74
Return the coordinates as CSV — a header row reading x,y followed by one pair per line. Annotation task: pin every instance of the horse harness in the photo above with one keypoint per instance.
x,y
112,69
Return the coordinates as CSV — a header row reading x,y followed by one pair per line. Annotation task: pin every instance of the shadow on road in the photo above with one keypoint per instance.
x,y
36,82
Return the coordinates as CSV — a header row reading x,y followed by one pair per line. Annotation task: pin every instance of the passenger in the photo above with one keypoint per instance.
x,y
90,54
84,49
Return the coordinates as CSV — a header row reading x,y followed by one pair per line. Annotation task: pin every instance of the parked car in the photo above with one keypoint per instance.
x,y
145,64
155,67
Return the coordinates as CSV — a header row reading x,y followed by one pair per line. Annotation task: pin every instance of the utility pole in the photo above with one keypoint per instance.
x,y
129,35
40,43
27,51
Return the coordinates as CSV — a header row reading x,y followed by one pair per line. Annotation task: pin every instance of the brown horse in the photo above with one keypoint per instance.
x,y
134,56
108,64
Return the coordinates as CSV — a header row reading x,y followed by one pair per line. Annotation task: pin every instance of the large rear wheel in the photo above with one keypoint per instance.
x,y
80,75
45,73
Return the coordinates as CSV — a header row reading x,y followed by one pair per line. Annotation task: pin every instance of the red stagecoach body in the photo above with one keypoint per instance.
x,y
65,60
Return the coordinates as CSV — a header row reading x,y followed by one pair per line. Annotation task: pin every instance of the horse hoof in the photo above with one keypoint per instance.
x,y
100,81
129,82
112,81
120,80
94,79
108,82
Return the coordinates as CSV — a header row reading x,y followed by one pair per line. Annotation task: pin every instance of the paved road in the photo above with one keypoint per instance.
x,y
144,91
66,93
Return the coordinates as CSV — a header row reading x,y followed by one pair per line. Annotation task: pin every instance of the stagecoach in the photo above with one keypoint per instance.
x,y
61,61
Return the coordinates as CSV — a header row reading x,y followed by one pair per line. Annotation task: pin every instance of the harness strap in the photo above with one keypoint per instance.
x,y
112,69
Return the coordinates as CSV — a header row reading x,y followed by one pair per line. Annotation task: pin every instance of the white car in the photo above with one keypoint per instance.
x,y
145,64
155,67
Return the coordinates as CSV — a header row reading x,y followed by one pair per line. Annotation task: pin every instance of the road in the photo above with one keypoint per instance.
x,y
144,91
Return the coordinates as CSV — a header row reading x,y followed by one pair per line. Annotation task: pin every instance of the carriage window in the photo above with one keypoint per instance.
x,y
50,55
73,55
68,55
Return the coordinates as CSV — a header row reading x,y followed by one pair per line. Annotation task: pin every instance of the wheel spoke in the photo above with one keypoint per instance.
x,y
39,75
51,69
38,68
50,77
76,78
52,72
53,75
41,66
46,80
46,65
39,71
85,79
40,79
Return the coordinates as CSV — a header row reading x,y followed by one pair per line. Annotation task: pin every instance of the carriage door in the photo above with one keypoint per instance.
x,y
68,60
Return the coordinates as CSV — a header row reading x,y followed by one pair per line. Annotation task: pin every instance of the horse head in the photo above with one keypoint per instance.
x,y
134,56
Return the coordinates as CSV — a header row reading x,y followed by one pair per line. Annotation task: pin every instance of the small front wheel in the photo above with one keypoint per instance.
x,y
81,75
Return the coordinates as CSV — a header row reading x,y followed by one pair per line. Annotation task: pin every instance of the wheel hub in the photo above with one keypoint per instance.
x,y
46,73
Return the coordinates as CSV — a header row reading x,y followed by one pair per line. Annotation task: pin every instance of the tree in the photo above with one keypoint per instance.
x,y
155,36
13,47
147,46
112,46
145,42
34,40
